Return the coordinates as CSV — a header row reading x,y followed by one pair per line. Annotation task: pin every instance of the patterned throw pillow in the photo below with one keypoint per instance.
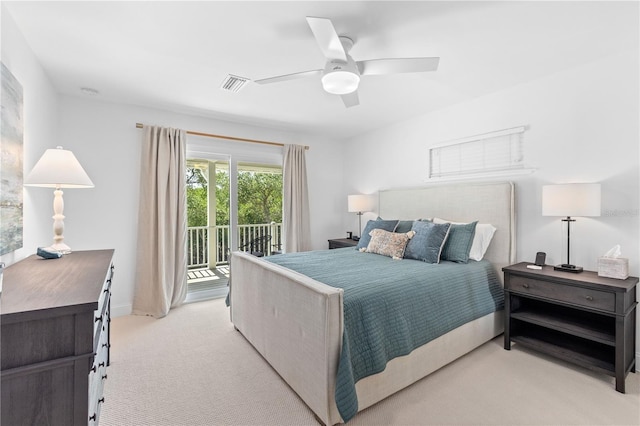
x,y
387,243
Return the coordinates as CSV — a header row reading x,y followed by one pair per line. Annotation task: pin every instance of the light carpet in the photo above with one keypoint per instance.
x,y
193,368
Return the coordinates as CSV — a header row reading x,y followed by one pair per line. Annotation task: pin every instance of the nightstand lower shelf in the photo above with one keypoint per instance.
x,y
596,357
587,325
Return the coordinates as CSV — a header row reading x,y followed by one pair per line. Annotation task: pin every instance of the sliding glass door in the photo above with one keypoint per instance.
x,y
208,224
230,205
259,208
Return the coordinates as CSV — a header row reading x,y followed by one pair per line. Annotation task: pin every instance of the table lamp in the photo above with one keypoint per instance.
x,y
58,168
359,204
574,199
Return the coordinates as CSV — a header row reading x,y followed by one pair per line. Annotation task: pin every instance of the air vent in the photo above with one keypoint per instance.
x,y
233,83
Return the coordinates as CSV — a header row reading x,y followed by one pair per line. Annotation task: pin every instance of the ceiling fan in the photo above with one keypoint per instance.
x,y
341,74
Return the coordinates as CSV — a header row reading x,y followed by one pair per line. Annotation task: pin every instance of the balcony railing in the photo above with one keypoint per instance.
x,y
208,246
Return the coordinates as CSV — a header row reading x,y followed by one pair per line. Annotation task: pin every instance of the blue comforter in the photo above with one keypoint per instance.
x,y
391,307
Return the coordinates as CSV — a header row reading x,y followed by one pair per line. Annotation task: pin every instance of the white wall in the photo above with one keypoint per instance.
x,y
105,140
583,127
40,133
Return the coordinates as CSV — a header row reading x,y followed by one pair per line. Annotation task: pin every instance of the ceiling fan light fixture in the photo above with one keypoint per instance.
x,y
340,81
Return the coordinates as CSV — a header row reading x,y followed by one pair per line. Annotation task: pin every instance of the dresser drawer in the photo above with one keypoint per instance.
x,y
565,293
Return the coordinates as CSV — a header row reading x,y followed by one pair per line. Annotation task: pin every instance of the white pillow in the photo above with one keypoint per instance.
x,y
481,239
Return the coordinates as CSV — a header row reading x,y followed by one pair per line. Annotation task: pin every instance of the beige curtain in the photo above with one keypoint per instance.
x,y
297,233
161,276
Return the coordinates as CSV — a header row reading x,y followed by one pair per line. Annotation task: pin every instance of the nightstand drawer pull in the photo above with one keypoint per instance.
x,y
525,285
589,298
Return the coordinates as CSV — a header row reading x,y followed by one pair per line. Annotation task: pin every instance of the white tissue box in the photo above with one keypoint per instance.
x,y
613,267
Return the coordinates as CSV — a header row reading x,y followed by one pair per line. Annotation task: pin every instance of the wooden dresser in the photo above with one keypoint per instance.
x,y
55,318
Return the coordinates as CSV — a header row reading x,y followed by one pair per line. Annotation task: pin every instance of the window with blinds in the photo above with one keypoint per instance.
x,y
482,154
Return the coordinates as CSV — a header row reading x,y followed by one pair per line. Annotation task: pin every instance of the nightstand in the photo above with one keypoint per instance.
x,y
342,242
581,318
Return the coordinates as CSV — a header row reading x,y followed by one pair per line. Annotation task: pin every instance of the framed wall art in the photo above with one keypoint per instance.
x,y
11,153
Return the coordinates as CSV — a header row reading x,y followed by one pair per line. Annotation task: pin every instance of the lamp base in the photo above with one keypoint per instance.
x,y
568,268
60,248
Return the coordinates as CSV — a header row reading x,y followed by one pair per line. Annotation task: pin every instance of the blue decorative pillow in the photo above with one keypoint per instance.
x,y
403,226
458,244
387,225
427,244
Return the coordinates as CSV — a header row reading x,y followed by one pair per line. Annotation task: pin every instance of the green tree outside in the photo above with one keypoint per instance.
x,y
196,198
259,197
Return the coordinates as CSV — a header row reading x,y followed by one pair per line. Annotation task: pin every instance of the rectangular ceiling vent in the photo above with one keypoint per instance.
x,y
233,83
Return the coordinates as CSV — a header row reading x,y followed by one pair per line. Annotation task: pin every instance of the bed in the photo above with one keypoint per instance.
x,y
297,323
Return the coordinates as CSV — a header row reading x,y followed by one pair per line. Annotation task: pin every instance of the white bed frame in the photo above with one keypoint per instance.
x,y
296,322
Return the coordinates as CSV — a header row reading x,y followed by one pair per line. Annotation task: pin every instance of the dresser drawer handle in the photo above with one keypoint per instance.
x,y
101,400
101,364
589,298
94,368
525,285
106,345
93,417
104,377
98,318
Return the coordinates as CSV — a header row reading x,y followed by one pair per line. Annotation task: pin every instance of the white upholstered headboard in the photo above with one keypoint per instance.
x,y
492,203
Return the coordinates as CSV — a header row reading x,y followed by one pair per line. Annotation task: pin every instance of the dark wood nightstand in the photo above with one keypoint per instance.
x,y
581,318
342,242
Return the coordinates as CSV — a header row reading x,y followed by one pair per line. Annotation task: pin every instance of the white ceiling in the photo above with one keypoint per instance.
x,y
174,55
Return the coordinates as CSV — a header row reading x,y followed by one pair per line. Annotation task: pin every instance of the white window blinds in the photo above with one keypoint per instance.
x,y
490,152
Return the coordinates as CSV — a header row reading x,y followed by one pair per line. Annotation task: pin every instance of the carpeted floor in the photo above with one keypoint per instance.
x,y
193,368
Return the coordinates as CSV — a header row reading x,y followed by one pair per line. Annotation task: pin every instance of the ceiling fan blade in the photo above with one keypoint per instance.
x,y
286,77
327,38
350,99
397,66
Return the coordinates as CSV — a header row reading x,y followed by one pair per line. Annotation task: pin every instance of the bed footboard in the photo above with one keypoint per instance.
x,y
295,323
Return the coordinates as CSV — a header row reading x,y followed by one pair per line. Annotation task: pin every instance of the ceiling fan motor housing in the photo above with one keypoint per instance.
x,y
339,77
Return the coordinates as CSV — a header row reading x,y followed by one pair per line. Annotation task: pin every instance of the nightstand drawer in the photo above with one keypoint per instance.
x,y
571,294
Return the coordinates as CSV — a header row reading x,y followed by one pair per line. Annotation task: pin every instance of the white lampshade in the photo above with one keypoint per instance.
x,y
360,203
58,168
574,199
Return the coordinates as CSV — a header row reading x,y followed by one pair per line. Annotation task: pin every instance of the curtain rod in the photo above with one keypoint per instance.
x,y
231,138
